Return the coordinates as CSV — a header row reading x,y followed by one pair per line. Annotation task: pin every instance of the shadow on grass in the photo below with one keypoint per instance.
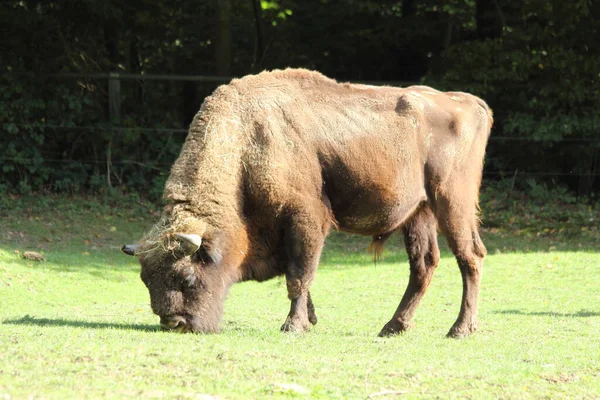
x,y
48,322
579,314
45,322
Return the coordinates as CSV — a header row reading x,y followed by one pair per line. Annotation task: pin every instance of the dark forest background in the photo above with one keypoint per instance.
x,y
67,126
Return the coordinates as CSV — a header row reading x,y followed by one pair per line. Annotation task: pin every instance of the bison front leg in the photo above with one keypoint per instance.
x,y
304,243
469,252
298,318
301,311
312,317
420,238
458,220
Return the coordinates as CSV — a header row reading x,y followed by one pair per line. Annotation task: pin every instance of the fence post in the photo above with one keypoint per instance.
x,y
114,98
114,117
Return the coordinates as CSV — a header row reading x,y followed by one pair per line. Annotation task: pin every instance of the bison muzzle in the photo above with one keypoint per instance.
x,y
273,161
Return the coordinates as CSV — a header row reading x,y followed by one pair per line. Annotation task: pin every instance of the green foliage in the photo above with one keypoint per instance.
x,y
541,78
530,209
535,62
43,149
55,133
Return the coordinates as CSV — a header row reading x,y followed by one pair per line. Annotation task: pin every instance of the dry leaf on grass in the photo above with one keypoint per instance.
x,y
33,256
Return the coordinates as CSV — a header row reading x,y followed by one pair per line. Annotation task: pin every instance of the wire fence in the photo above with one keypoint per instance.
x,y
105,128
114,105
52,157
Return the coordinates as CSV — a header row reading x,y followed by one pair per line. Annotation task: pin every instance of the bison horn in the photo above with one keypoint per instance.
x,y
189,241
129,249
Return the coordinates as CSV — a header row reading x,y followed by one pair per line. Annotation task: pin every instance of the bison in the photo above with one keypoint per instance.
x,y
273,161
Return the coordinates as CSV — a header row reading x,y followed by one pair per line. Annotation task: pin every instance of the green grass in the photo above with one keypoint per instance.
x,y
79,325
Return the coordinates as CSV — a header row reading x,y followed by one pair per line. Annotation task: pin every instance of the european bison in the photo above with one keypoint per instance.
x,y
272,161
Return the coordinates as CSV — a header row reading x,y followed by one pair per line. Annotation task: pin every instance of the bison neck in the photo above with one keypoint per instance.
x,y
207,173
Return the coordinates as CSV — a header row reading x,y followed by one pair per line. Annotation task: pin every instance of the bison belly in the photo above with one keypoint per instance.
x,y
374,203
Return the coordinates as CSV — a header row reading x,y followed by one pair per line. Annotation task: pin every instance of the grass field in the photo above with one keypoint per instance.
x,y
79,325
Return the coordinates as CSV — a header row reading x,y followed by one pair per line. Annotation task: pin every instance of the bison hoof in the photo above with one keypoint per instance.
x,y
312,318
394,328
295,325
462,331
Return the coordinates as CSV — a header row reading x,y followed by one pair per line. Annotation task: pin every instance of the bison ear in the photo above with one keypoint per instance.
x,y
212,250
189,242
129,249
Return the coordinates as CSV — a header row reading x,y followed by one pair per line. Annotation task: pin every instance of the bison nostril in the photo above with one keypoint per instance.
x,y
172,322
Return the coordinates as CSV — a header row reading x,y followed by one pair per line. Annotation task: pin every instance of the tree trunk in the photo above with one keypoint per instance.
x,y
489,19
259,47
113,109
223,38
585,185
111,44
135,66
408,8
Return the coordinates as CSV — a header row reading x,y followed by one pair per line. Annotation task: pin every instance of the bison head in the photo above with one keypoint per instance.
x,y
187,280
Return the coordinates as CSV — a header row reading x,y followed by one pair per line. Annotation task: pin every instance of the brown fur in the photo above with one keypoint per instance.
x,y
272,161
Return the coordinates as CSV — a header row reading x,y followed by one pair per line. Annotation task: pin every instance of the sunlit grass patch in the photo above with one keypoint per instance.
x,y
79,324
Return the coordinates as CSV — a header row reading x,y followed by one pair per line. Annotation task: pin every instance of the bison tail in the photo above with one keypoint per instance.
x,y
377,245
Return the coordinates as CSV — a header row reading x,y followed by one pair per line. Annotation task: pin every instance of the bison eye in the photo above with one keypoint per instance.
x,y
189,278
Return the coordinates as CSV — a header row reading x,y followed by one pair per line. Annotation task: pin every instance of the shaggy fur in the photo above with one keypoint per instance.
x,y
272,161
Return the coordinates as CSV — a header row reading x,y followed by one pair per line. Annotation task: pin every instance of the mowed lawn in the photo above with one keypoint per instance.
x,y
79,324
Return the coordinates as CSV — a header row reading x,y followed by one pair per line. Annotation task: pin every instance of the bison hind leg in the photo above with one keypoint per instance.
x,y
420,239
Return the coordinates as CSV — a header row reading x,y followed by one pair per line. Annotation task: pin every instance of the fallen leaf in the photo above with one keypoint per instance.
x,y
33,256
